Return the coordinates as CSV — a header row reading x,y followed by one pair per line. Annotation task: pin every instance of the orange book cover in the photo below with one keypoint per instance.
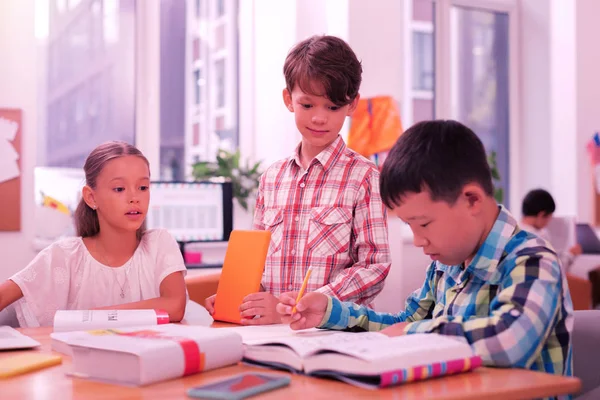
x,y
242,272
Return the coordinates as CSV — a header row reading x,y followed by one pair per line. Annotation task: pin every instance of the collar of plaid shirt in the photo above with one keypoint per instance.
x,y
484,264
326,158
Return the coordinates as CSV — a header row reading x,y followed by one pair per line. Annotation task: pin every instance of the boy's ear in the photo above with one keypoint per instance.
x,y
88,196
353,105
474,196
287,100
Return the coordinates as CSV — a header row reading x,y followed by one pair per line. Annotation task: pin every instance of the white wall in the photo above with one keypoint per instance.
x,y
563,106
535,96
18,86
275,134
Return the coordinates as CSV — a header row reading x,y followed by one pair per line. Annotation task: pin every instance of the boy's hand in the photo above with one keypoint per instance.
x,y
576,250
395,330
209,304
262,304
309,310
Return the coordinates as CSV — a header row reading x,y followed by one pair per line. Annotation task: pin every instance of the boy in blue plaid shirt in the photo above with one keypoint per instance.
x,y
496,285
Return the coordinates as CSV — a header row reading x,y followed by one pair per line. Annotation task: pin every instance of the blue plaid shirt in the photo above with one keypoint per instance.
x,y
511,303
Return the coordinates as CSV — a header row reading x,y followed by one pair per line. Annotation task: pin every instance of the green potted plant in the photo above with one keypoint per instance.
x,y
244,179
498,191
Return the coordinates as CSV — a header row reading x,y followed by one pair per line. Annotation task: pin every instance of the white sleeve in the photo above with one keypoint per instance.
x,y
45,285
168,258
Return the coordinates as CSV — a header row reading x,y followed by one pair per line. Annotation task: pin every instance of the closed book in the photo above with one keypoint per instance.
x,y
144,355
78,320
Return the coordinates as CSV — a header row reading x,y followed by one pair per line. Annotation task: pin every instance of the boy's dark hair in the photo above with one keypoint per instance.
x,y
327,61
537,201
440,156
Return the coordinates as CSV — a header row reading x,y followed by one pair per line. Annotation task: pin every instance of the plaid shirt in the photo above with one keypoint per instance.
x,y
329,216
511,303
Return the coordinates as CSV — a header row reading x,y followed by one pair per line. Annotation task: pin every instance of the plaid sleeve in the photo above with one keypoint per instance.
x,y
345,315
522,314
363,281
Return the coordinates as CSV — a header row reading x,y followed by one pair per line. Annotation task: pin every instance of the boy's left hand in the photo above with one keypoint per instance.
x,y
262,304
396,329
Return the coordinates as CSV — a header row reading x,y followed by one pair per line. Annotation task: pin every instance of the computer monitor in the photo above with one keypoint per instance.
x,y
192,211
587,238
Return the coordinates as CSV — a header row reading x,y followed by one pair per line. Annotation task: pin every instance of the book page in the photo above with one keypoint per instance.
x,y
311,341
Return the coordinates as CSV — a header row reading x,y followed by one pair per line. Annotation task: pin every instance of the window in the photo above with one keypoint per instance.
x,y
462,65
199,87
88,95
479,61
210,89
220,8
423,53
220,82
420,105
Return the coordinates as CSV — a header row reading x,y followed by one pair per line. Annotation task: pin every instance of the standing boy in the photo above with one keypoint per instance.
x,y
322,204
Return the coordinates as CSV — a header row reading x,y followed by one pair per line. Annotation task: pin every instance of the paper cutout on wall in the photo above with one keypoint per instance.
x,y
9,157
10,169
375,126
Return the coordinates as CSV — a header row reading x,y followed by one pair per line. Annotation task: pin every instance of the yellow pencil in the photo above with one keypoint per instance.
x,y
302,289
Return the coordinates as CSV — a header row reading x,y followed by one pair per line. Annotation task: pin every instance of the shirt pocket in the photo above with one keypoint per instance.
x,y
273,222
329,230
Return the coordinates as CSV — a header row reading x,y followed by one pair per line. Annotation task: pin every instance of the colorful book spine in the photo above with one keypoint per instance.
x,y
422,372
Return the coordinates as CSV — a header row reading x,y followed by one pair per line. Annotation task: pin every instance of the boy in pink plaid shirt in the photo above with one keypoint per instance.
x,y
321,204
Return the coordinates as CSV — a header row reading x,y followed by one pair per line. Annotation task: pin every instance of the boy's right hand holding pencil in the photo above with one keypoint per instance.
x,y
302,312
309,311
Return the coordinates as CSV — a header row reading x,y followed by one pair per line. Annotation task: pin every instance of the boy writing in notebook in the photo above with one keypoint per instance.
x,y
490,282
321,204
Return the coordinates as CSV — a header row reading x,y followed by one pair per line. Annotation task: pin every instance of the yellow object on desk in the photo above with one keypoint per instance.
x,y
23,363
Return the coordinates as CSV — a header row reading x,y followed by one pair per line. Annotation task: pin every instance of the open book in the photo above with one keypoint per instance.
x,y
143,355
366,359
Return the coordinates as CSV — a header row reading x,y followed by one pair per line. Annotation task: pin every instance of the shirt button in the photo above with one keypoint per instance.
x,y
297,219
302,185
290,287
515,313
293,252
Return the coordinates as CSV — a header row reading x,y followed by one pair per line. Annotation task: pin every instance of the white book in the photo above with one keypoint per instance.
x,y
144,355
12,339
79,320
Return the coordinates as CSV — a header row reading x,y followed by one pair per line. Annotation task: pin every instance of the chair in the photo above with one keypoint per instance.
x,y
581,292
8,316
200,287
586,352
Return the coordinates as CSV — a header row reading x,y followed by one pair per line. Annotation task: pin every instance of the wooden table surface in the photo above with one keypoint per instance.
x,y
483,383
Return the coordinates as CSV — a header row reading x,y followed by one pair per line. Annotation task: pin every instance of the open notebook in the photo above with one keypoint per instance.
x,y
366,359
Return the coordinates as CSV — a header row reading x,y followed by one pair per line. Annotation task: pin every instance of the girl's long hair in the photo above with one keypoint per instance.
x,y
86,219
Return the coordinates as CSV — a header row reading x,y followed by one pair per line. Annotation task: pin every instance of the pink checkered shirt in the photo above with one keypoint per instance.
x,y
329,216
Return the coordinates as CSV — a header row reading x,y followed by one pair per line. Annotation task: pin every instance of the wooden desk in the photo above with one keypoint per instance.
x,y
484,383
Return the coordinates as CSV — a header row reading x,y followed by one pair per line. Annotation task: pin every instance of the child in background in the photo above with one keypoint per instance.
x,y
321,204
114,263
490,282
537,209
